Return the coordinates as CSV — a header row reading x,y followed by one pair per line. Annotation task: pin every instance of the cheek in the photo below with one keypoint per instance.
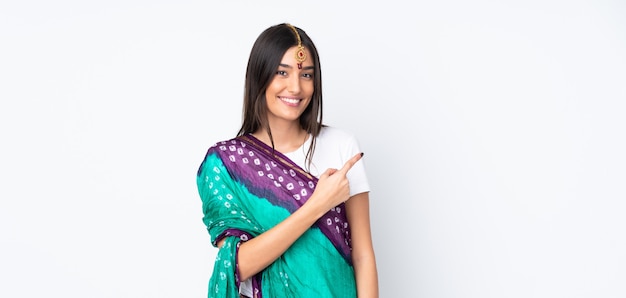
x,y
270,92
309,88
273,88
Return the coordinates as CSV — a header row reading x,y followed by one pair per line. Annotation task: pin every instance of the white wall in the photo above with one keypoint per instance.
x,y
493,133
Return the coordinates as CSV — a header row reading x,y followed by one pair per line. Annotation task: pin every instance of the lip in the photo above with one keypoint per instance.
x,y
290,101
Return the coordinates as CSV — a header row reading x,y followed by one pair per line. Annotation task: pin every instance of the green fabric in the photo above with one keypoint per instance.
x,y
311,267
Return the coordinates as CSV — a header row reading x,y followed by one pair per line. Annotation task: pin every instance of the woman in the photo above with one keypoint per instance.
x,y
286,201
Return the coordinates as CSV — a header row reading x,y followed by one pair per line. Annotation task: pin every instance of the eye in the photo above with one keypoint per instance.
x,y
281,72
307,75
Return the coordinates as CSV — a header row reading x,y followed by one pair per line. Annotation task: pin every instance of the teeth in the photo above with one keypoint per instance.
x,y
290,100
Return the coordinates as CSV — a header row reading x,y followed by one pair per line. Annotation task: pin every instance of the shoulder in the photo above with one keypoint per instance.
x,y
336,134
213,153
333,139
335,147
221,145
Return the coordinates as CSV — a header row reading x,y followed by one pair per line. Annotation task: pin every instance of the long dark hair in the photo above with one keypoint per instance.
x,y
265,57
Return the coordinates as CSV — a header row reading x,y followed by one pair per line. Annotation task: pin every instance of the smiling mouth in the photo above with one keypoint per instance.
x,y
290,101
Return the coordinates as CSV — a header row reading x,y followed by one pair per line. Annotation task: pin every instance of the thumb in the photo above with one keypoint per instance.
x,y
328,172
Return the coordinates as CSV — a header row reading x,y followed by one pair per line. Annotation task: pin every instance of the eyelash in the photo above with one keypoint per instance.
x,y
283,73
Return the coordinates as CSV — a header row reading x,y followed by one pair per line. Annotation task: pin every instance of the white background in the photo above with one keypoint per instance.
x,y
493,132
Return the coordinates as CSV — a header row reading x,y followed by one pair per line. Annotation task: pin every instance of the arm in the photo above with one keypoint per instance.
x,y
259,252
363,259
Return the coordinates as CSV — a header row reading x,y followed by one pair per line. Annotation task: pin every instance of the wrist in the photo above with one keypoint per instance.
x,y
314,209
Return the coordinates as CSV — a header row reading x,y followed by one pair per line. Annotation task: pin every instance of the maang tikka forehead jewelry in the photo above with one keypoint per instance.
x,y
300,54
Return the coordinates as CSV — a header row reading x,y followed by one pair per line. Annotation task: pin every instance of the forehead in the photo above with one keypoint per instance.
x,y
290,57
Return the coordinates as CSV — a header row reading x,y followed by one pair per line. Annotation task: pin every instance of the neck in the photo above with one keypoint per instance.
x,y
286,138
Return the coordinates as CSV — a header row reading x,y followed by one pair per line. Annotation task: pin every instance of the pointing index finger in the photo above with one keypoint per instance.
x,y
348,165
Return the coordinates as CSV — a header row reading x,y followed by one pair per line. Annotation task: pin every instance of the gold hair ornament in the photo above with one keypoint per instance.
x,y
300,54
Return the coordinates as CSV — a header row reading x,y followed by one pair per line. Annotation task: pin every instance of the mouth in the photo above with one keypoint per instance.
x,y
290,101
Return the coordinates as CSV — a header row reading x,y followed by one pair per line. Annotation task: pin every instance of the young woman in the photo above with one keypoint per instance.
x,y
287,200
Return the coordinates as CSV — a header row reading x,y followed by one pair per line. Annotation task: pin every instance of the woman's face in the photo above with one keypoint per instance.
x,y
290,91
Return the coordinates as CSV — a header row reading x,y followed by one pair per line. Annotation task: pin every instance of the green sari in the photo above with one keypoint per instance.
x,y
246,189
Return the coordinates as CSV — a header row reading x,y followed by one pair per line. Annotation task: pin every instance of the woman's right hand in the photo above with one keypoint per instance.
x,y
333,187
259,252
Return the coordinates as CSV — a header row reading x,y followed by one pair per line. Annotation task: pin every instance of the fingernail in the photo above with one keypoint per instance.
x,y
362,154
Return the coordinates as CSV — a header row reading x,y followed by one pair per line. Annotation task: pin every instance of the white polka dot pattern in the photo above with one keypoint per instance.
x,y
274,177
237,152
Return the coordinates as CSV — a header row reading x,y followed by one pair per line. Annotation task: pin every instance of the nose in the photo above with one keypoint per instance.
x,y
293,84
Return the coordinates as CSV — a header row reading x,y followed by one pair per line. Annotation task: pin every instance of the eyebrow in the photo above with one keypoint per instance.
x,y
289,66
